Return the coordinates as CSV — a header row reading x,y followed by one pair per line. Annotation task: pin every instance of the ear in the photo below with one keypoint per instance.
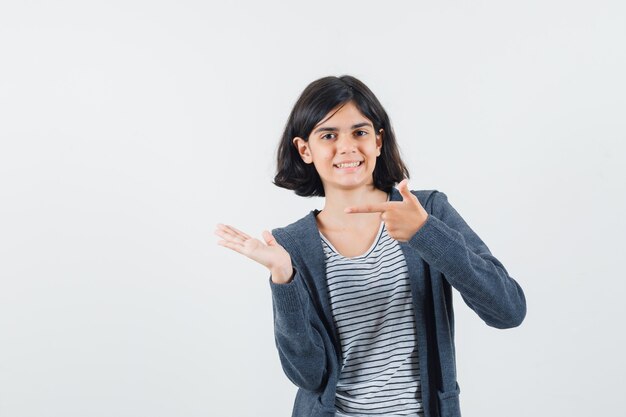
x,y
379,141
303,149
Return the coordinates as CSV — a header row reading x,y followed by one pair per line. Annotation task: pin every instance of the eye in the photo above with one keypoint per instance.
x,y
328,136
360,133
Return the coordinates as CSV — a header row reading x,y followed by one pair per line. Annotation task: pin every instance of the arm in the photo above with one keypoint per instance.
x,y
300,346
448,244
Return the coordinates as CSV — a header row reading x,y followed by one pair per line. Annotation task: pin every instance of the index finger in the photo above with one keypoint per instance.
x,y
369,208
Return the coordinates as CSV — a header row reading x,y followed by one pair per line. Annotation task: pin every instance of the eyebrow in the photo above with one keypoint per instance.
x,y
334,129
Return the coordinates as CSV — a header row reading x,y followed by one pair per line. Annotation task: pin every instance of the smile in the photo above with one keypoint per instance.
x,y
349,164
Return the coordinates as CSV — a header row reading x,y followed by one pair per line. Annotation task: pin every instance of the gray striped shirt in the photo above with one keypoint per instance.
x,y
370,299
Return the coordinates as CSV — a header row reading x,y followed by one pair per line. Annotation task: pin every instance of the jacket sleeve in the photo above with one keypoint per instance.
x,y
449,245
300,346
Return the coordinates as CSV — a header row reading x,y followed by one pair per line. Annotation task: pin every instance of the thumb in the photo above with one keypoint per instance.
x,y
403,187
269,239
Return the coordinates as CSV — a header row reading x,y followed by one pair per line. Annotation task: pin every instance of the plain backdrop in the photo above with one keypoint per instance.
x,y
129,129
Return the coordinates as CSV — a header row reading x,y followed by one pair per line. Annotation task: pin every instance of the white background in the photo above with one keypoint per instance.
x,y
128,129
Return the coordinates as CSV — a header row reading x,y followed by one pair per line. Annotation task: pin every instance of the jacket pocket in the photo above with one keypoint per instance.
x,y
449,403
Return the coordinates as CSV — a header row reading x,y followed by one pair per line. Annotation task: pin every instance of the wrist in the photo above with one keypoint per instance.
x,y
282,275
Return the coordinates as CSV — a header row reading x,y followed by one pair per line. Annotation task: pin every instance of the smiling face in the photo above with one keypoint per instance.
x,y
343,148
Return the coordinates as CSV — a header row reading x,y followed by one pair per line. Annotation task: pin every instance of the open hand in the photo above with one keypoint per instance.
x,y
402,218
269,254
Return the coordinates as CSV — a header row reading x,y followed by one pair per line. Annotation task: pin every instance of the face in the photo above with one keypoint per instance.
x,y
343,147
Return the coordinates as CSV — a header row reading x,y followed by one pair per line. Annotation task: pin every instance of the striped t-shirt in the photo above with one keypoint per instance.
x,y
370,299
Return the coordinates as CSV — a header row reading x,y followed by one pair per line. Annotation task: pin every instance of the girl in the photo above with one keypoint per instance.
x,y
361,290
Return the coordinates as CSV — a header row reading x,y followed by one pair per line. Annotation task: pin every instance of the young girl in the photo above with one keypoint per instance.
x,y
362,290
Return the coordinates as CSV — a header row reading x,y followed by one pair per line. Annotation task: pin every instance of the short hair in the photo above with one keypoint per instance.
x,y
315,102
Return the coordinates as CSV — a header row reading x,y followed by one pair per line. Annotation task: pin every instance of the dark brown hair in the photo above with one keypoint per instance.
x,y
315,102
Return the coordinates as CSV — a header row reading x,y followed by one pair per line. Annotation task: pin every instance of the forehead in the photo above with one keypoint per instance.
x,y
344,114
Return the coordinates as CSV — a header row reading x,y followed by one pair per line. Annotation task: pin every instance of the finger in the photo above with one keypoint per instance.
x,y
370,208
233,233
229,236
269,238
226,229
237,231
403,187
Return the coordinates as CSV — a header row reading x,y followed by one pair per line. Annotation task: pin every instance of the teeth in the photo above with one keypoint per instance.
x,y
348,165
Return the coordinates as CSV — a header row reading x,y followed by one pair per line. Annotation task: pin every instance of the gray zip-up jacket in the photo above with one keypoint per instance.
x,y
444,253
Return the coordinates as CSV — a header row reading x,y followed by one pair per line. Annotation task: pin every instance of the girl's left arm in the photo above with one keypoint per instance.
x,y
448,244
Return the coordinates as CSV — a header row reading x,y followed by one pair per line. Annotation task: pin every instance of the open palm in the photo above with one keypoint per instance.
x,y
269,254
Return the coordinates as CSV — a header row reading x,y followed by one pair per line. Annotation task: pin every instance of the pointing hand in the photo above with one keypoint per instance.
x,y
402,218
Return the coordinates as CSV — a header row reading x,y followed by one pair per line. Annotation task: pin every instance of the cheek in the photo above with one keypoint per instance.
x,y
323,155
321,160
373,151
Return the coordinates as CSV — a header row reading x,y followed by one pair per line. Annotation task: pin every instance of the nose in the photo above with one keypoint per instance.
x,y
346,143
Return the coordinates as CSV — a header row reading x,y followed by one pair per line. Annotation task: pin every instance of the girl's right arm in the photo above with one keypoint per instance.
x,y
300,345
